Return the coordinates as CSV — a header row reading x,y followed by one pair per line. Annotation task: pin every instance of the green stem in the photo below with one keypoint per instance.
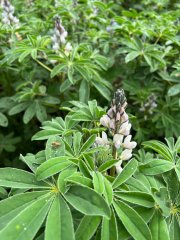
x,y
43,65
114,153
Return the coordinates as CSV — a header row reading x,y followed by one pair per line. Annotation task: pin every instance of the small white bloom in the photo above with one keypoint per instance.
x,y
102,141
105,121
125,128
118,167
128,144
124,117
126,154
117,140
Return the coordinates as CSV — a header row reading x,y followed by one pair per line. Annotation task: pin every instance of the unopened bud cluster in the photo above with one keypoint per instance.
x,y
59,37
117,121
8,14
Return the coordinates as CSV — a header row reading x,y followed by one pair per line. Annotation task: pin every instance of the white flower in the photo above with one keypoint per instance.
x,y
117,139
126,154
105,121
102,141
125,128
124,117
118,167
68,48
128,144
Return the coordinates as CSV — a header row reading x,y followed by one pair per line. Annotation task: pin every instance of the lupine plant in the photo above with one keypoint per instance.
x,y
86,185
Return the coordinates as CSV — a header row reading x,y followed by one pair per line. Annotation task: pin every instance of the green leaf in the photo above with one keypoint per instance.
x,y
132,55
40,112
59,224
54,147
18,108
16,178
108,191
98,182
12,206
103,90
158,227
87,201
84,91
3,120
88,143
79,179
109,229
159,147
174,90
174,228
29,113
26,224
107,165
45,134
132,221
126,173
57,69
3,192
139,198
52,166
156,166
87,227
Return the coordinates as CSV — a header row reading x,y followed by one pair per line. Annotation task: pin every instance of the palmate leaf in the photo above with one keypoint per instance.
x,y
26,224
59,224
87,227
16,178
132,221
87,201
10,207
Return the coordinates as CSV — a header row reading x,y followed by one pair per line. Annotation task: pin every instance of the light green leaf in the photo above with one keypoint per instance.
x,y
139,198
29,113
158,227
3,120
16,178
132,55
132,221
52,166
156,166
109,229
87,201
57,69
174,90
108,191
59,224
126,173
88,143
98,182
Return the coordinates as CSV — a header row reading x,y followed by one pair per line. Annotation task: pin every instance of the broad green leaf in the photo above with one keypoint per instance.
x,y
109,229
84,91
12,206
45,134
87,227
126,173
139,198
59,224
3,120
160,148
144,212
77,137
79,179
26,224
84,169
158,227
98,182
156,166
52,166
132,221
18,108
87,201
16,178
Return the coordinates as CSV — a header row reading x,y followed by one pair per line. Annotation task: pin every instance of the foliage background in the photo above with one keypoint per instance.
x,y
116,44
